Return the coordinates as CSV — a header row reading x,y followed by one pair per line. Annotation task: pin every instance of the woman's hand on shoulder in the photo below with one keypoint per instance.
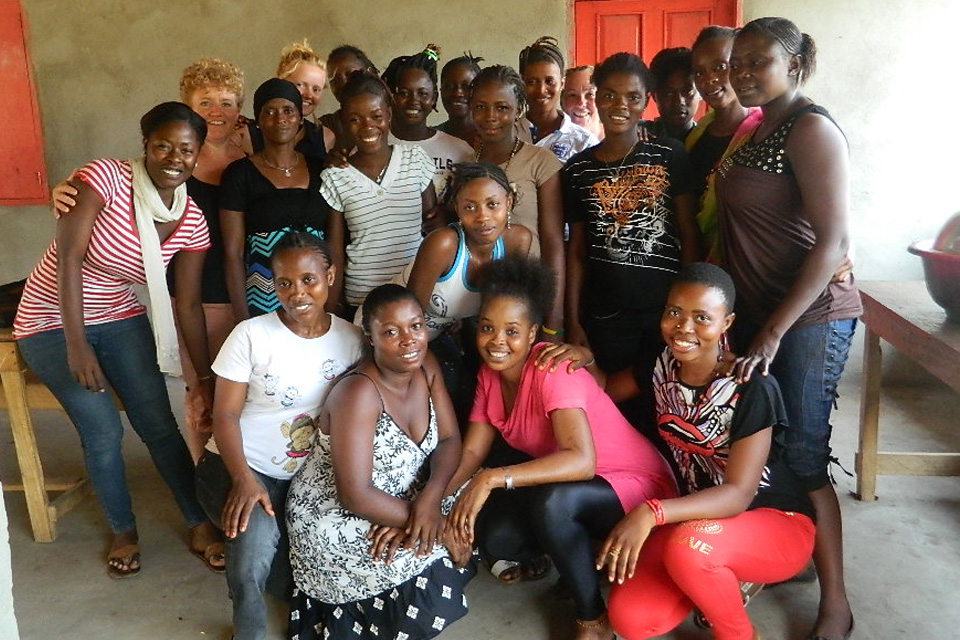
x,y
758,357
63,197
621,550
554,355
338,158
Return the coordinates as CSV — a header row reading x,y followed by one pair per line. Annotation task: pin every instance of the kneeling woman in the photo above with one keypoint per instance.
x,y
364,514
745,516
588,466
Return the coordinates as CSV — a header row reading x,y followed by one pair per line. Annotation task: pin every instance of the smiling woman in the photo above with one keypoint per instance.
x,y
413,81
274,372
586,465
367,536
81,328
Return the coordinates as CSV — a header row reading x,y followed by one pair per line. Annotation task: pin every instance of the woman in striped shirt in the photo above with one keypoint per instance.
x,y
81,328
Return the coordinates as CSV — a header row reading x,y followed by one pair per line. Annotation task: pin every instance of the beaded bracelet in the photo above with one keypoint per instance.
x,y
657,508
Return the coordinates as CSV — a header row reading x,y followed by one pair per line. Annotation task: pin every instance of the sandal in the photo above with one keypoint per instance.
x,y
507,571
213,556
537,568
206,543
124,562
510,571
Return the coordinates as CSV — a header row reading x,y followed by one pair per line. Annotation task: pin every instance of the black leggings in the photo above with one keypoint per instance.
x,y
560,520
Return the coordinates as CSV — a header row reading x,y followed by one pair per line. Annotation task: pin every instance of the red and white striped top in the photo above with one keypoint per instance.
x,y
113,263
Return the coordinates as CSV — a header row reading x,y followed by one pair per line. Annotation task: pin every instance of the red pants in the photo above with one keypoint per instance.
x,y
700,564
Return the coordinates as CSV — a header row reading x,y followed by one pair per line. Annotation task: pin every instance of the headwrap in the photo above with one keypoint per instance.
x,y
276,88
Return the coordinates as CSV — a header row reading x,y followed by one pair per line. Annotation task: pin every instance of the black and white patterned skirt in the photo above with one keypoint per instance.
x,y
417,609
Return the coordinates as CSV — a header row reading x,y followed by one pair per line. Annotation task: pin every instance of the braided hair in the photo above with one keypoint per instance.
x,y
425,61
502,74
467,59
544,49
790,38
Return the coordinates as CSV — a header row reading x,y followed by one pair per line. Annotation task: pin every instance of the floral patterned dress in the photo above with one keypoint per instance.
x,y
341,590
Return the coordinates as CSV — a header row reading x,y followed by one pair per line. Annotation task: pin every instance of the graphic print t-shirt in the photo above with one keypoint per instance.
x,y
287,379
627,206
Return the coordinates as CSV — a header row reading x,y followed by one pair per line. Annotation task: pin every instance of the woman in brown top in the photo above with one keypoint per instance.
x,y
783,210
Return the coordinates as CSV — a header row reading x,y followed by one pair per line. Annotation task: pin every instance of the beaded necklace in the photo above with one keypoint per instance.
x,y
516,147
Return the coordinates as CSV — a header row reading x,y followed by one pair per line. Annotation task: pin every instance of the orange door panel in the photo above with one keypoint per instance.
x,y
644,27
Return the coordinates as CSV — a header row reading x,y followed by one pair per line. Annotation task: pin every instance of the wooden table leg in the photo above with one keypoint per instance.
x,y
866,464
42,515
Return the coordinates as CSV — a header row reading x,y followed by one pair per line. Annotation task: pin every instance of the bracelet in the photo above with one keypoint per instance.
x,y
507,479
551,332
657,509
209,376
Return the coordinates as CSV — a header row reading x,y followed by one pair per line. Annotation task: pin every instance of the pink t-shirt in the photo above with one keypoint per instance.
x,y
625,459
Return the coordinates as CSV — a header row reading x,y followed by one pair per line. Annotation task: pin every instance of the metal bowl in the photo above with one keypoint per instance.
x,y
942,272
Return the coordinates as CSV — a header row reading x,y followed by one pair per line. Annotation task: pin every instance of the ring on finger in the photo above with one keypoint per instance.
x,y
613,553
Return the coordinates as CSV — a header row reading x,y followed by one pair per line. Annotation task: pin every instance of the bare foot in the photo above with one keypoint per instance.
x,y
597,629
833,624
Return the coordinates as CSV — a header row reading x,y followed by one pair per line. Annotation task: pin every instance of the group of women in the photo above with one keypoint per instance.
x,y
343,477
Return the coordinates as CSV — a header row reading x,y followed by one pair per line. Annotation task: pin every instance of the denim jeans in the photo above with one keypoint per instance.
x,y
127,355
808,366
258,558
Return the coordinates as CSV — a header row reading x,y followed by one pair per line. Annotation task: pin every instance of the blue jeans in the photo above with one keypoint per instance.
x,y
808,366
127,355
258,558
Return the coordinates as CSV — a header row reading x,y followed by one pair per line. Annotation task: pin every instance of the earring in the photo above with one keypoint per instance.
x,y
509,217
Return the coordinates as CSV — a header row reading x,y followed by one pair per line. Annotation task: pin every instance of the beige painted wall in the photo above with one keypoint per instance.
x,y
101,64
880,73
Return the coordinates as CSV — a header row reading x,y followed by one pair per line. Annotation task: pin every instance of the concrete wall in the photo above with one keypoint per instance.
x,y
876,59
100,64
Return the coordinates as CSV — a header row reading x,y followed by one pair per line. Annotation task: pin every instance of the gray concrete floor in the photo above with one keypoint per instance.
x,y
902,552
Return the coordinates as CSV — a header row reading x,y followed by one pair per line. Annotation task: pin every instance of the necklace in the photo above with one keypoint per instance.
x,y
615,178
513,152
286,170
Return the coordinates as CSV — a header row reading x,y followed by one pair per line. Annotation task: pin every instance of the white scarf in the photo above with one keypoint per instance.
x,y
149,208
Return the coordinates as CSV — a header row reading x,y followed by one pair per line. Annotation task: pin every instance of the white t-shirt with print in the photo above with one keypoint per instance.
x,y
445,150
287,379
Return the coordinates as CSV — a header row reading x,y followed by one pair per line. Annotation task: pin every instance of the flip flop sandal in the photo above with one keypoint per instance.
x,y
537,568
507,571
213,556
127,555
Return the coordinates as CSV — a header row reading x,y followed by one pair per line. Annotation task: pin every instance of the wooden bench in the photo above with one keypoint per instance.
x,y
903,314
22,393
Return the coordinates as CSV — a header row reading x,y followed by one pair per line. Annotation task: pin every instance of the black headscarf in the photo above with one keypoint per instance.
x,y
276,88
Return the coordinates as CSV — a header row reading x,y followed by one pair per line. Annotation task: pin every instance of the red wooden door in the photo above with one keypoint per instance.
x,y
23,176
644,27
